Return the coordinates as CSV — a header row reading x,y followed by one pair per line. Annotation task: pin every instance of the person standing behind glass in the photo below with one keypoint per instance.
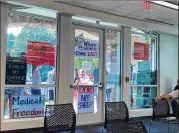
x,y
36,79
51,81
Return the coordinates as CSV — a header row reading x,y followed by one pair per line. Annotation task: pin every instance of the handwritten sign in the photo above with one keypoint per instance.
x,y
27,106
141,51
16,69
40,53
87,48
86,100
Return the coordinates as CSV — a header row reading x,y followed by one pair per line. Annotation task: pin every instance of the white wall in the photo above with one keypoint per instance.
x,y
168,63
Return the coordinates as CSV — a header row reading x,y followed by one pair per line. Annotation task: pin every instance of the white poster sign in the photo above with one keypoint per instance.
x,y
86,100
27,106
87,48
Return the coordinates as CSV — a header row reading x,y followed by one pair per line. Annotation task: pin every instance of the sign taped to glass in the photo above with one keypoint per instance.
x,y
86,47
85,99
27,106
40,53
16,69
141,51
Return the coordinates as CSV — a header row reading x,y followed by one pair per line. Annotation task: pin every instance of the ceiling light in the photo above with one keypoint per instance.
x,y
163,3
108,24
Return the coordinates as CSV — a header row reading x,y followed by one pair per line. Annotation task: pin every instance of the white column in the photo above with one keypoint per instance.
x,y
65,59
126,42
3,38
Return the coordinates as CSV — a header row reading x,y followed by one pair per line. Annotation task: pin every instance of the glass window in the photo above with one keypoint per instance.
x,y
30,66
143,68
113,66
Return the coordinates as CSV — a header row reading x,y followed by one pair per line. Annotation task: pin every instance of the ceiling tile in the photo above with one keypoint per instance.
x,y
97,8
165,9
163,16
140,3
116,13
172,21
128,8
108,4
146,14
78,3
134,16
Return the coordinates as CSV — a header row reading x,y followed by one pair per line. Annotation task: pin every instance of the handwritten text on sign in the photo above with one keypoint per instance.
x,y
40,53
87,48
16,69
27,106
141,51
86,100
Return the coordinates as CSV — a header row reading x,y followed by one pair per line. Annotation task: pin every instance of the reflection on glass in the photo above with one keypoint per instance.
x,y
113,66
19,102
143,60
86,71
141,97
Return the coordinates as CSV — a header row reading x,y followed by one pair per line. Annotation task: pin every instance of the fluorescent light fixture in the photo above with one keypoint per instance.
x,y
84,19
163,3
108,24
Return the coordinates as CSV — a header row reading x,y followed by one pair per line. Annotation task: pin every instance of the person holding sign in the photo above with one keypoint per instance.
x,y
36,79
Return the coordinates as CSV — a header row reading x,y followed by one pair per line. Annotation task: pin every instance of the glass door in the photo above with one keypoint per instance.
x,y
88,69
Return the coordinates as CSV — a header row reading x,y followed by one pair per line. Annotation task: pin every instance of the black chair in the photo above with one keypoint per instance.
x,y
115,113
60,117
161,110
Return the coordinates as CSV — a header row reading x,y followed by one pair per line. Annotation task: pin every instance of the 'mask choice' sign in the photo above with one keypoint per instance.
x,y
27,106
86,100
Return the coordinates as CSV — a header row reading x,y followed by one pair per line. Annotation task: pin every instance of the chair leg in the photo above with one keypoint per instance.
x,y
150,126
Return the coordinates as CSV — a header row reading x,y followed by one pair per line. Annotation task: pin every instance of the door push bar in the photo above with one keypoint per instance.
x,y
101,85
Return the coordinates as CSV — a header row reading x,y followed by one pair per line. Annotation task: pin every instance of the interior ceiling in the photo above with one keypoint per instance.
x,y
131,9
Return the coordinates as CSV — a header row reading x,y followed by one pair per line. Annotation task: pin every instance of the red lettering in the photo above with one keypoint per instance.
x,y
92,53
22,113
27,113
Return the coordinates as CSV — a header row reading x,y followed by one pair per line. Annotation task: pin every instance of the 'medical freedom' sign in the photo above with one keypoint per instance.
x,y
27,106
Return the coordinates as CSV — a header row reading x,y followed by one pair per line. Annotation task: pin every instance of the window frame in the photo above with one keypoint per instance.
x,y
57,57
156,86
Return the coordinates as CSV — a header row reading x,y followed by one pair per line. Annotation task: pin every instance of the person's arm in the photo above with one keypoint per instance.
x,y
172,95
163,97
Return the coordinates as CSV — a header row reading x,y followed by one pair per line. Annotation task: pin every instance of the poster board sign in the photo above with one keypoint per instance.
x,y
87,48
141,51
144,66
40,53
85,99
16,69
27,106
113,79
143,77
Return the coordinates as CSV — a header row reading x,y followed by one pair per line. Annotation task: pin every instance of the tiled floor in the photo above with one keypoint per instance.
x,y
156,128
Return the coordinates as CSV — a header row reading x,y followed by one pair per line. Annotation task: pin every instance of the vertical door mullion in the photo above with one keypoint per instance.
x,y
126,42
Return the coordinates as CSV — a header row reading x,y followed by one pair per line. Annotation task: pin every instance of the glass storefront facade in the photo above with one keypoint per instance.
x,y
32,66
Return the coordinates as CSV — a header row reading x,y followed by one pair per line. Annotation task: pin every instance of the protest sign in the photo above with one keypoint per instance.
x,y
87,48
86,100
27,106
141,51
40,53
16,69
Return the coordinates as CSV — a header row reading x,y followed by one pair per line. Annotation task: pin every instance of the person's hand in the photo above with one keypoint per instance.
x,y
158,98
